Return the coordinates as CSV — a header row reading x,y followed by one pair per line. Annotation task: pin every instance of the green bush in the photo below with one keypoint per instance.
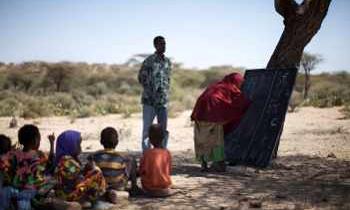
x,y
62,103
34,108
82,112
188,79
10,107
97,89
35,89
346,111
295,101
103,108
82,99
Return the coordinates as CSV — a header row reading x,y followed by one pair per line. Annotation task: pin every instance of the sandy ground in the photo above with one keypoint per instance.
x,y
312,171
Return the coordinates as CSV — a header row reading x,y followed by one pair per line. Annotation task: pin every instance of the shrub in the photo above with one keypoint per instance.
x,y
346,111
97,89
82,112
34,108
82,99
10,107
5,94
295,101
35,89
102,107
188,79
62,103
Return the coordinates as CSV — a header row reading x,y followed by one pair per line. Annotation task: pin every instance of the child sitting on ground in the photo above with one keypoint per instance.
x,y
25,170
155,165
5,144
75,182
5,147
117,168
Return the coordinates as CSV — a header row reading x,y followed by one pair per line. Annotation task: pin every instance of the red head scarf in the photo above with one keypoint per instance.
x,y
222,102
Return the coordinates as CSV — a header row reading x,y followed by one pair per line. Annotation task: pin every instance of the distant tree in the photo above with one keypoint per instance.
x,y
308,63
58,74
27,81
14,79
136,60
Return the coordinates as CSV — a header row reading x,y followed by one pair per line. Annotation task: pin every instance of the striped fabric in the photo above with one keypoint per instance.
x,y
115,167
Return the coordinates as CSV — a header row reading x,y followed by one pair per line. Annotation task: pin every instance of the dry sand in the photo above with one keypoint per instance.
x,y
312,171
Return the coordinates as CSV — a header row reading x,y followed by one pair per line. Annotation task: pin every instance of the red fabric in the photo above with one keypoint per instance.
x,y
222,102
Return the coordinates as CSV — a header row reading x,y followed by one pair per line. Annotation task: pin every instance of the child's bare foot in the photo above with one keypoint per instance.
x,y
86,204
204,169
111,196
204,166
219,166
136,191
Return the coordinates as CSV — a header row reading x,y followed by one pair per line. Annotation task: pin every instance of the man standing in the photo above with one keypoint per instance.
x,y
154,76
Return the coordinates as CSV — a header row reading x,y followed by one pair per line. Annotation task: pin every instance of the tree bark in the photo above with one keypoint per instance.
x,y
302,21
307,84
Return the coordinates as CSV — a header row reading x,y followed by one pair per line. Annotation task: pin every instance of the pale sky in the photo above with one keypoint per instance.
x,y
199,33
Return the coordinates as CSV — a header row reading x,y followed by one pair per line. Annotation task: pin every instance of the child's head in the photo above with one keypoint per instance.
x,y
29,137
5,144
109,138
155,134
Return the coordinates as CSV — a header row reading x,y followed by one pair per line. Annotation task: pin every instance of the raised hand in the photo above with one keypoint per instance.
x,y
51,138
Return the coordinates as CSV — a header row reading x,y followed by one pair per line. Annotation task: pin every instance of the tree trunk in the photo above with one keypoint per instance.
x,y
301,23
307,84
58,86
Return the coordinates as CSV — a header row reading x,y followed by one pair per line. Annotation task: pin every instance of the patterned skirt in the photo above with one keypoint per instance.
x,y
209,141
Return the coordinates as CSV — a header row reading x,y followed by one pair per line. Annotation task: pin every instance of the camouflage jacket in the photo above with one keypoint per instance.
x,y
154,76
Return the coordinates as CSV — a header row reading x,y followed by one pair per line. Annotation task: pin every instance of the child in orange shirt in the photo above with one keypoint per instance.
x,y
155,165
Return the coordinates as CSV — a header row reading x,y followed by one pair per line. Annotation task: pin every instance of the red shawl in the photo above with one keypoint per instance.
x,y
222,102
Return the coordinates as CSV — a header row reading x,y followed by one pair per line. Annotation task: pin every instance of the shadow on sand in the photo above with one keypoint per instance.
x,y
290,182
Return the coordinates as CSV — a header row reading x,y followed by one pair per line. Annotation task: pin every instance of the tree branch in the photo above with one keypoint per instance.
x,y
286,8
301,23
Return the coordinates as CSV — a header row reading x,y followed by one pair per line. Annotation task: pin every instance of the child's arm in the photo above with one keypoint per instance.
x,y
142,166
51,138
90,165
50,164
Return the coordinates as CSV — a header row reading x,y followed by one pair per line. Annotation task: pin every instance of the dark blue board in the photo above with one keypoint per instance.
x,y
257,136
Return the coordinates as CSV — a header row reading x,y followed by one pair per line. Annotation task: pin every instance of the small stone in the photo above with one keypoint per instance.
x,y
13,123
102,205
255,204
244,199
281,196
122,195
331,155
